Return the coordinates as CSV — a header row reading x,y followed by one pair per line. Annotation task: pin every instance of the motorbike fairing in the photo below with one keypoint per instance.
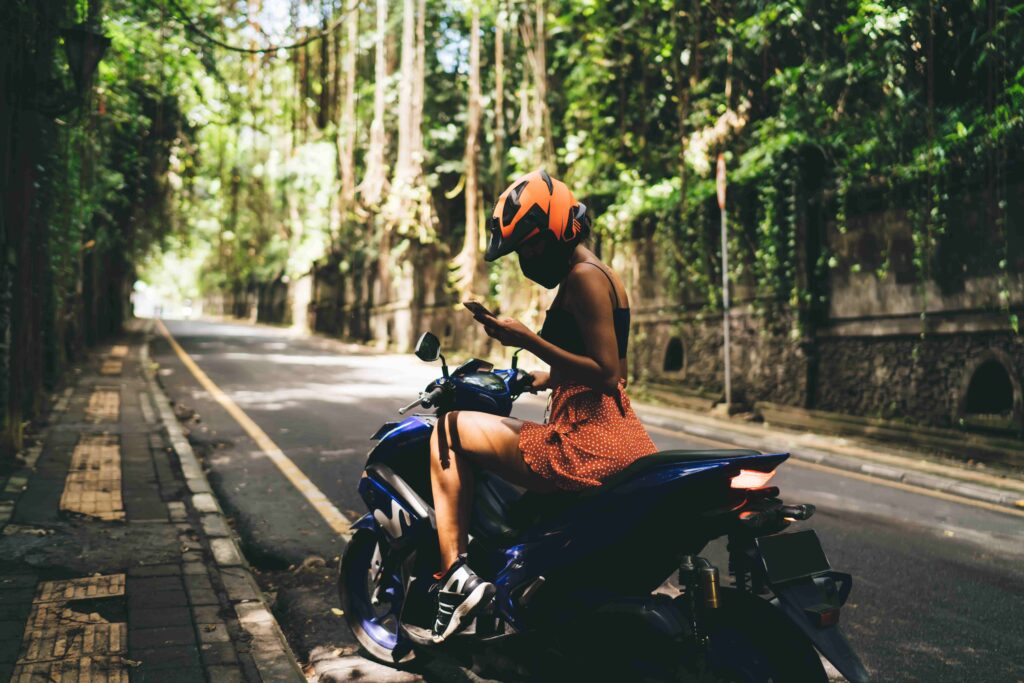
x,y
397,515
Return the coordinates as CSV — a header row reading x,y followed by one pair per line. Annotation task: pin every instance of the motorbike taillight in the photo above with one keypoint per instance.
x,y
751,479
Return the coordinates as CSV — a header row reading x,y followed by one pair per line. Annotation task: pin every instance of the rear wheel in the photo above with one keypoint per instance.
x,y
751,641
371,591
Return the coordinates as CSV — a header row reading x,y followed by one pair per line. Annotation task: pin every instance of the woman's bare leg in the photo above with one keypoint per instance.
x,y
462,438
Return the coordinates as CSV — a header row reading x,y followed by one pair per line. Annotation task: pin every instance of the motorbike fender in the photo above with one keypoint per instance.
x,y
796,599
365,522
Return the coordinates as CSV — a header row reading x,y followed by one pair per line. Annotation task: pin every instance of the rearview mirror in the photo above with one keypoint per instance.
x,y
428,348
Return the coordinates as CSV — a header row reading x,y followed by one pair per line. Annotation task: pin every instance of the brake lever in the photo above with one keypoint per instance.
x,y
402,411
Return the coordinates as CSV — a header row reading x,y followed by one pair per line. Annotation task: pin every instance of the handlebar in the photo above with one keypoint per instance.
x,y
425,400
519,383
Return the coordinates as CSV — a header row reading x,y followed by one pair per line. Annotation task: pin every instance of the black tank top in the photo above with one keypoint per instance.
x,y
560,327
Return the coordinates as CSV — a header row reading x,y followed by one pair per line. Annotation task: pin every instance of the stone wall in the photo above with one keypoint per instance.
x,y
766,365
905,377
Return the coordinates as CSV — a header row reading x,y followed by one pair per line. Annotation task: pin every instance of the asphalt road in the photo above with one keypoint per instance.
x,y
939,586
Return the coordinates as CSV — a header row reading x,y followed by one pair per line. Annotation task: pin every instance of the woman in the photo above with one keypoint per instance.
x,y
591,432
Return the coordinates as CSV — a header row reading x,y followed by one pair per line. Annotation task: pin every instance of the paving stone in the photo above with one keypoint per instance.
x,y
190,544
155,570
248,666
213,633
192,555
225,674
277,666
194,569
239,585
90,587
147,638
198,582
165,657
356,668
203,597
204,503
209,614
154,583
172,675
225,552
215,526
218,653
158,599
159,616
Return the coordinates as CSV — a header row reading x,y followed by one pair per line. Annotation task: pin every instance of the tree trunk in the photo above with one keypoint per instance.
x,y
535,116
468,261
375,180
543,116
419,76
403,162
347,125
499,103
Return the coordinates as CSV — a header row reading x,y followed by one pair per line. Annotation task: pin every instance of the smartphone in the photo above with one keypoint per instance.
x,y
478,308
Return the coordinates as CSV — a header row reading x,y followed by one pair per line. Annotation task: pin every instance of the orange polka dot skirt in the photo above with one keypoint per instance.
x,y
589,436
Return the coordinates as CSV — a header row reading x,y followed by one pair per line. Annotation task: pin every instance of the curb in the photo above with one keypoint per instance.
x,y
270,651
1010,500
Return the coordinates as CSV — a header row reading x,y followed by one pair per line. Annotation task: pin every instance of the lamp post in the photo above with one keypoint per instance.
x,y
84,45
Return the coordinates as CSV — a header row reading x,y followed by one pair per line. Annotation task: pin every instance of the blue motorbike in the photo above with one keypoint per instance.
x,y
583,579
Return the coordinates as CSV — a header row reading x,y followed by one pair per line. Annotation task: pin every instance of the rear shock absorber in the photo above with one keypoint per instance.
x,y
709,584
699,579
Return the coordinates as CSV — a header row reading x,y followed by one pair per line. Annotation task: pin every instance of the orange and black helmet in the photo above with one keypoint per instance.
x,y
529,206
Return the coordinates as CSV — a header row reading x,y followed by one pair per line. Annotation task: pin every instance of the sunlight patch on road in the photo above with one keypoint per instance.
x,y
282,399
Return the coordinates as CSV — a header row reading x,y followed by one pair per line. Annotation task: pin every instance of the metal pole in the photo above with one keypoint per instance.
x,y
725,314
720,183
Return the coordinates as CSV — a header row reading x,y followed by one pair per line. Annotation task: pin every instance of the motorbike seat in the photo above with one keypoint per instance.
x,y
503,509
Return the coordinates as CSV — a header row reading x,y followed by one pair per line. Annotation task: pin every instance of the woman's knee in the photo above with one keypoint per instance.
x,y
444,440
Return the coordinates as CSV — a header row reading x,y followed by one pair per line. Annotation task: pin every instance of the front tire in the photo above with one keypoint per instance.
x,y
751,641
365,570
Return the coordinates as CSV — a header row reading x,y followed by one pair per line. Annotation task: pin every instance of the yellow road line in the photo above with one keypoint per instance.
x,y
334,518
941,495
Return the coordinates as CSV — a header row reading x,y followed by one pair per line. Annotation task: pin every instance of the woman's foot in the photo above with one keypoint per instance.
x,y
460,594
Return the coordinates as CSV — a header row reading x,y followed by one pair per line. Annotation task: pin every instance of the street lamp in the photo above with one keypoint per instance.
x,y
84,45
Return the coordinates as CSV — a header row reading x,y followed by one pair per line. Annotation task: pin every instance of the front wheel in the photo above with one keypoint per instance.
x,y
751,641
371,591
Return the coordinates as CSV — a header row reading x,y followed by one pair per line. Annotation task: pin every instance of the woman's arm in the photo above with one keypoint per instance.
x,y
592,309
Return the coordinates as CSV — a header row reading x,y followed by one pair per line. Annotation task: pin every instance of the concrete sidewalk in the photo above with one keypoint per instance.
x,y
116,563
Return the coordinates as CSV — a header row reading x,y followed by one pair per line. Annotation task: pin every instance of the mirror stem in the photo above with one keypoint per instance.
x,y
444,365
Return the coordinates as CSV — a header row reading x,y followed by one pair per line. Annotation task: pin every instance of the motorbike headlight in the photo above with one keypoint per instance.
x,y
485,380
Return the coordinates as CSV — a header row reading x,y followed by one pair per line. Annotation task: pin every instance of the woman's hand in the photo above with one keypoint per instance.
x,y
508,331
541,381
